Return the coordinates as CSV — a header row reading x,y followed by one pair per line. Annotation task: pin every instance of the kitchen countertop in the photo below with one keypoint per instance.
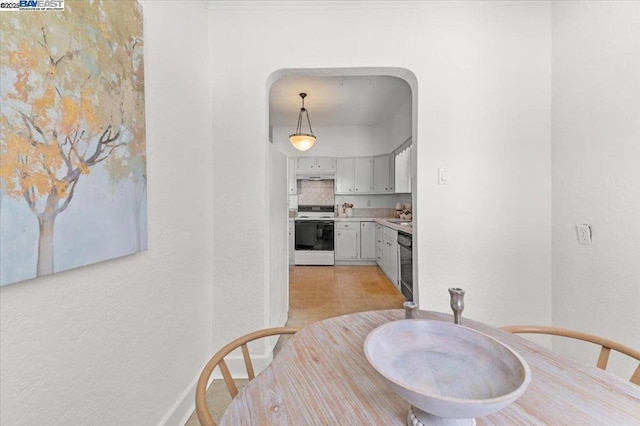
x,y
395,225
384,221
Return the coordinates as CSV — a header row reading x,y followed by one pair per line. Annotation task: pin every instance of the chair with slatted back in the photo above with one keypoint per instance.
x,y
218,361
606,345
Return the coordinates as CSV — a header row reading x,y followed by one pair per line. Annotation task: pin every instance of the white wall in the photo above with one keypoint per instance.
x,y
277,288
119,342
483,110
596,171
339,141
400,125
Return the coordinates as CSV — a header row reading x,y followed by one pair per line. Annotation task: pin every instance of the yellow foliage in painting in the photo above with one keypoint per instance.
x,y
42,105
28,165
23,61
38,180
50,156
73,98
61,187
88,111
70,114
83,168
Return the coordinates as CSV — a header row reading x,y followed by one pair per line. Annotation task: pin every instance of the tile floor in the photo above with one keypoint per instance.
x,y
317,293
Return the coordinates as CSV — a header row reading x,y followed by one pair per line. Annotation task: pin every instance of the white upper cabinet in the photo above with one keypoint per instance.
x,y
292,184
344,176
362,175
315,164
325,163
382,174
306,163
402,161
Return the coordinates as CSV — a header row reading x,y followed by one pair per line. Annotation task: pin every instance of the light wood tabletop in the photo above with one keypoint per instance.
x,y
323,378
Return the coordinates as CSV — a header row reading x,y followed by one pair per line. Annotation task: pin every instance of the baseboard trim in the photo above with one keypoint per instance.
x,y
180,412
355,263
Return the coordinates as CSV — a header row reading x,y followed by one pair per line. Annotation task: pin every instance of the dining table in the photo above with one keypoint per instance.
x,y
322,377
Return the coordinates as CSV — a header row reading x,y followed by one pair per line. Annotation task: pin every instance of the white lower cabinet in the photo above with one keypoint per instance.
x,y
390,261
379,245
361,242
390,255
347,240
367,240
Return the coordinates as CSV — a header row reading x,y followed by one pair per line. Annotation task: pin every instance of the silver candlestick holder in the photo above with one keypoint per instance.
x,y
457,304
409,309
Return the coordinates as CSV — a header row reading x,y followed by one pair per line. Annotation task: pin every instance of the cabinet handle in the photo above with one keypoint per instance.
x,y
349,189
338,234
386,189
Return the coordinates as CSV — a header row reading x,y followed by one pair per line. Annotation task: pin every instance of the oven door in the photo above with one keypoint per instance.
x,y
314,235
406,273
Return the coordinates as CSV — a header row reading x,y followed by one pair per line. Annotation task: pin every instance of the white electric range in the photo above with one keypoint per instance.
x,y
314,243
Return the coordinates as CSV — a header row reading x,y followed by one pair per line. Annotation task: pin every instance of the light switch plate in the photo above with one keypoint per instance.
x,y
443,176
584,234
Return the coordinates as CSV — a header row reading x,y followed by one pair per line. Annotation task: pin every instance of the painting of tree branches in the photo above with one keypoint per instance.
x,y
72,147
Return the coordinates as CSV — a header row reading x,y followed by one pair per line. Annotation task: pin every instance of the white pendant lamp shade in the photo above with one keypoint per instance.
x,y
300,140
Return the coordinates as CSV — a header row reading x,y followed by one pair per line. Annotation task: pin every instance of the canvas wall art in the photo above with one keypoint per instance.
x,y
72,148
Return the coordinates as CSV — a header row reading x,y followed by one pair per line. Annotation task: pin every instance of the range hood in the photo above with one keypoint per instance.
x,y
316,175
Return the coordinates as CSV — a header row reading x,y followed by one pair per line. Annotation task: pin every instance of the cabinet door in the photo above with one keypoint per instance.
x,y
367,240
394,263
379,245
362,175
344,176
402,172
346,244
390,261
306,163
324,163
292,184
381,174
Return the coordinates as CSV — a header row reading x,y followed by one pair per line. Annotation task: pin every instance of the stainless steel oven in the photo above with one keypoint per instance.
x,y
314,244
405,242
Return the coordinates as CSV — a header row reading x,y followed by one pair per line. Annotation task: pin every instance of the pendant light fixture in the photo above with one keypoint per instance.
x,y
302,141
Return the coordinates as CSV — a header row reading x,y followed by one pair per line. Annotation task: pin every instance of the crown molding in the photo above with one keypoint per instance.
x,y
275,5
316,4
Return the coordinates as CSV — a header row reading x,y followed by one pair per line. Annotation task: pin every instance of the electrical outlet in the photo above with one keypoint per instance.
x,y
584,234
443,176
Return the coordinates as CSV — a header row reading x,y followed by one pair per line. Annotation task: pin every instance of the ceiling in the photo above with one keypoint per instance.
x,y
337,101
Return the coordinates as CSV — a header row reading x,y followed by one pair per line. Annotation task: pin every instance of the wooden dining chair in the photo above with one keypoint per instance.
x,y
218,361
606,345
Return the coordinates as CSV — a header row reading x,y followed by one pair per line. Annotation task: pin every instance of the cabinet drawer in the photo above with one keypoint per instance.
x,y
347,225
389,233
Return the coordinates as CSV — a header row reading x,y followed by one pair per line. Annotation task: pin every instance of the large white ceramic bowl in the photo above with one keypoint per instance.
x,y
447,370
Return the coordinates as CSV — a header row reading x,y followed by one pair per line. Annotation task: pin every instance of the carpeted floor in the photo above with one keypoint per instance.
x,y
317,293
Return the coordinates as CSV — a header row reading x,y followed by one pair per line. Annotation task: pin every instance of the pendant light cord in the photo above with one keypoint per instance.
x,y
303,109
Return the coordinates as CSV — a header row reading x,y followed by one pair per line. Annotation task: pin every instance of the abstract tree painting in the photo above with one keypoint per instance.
x,y
72,141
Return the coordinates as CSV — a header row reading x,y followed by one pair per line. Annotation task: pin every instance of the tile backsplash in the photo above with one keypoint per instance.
x,y
316,192
321,192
